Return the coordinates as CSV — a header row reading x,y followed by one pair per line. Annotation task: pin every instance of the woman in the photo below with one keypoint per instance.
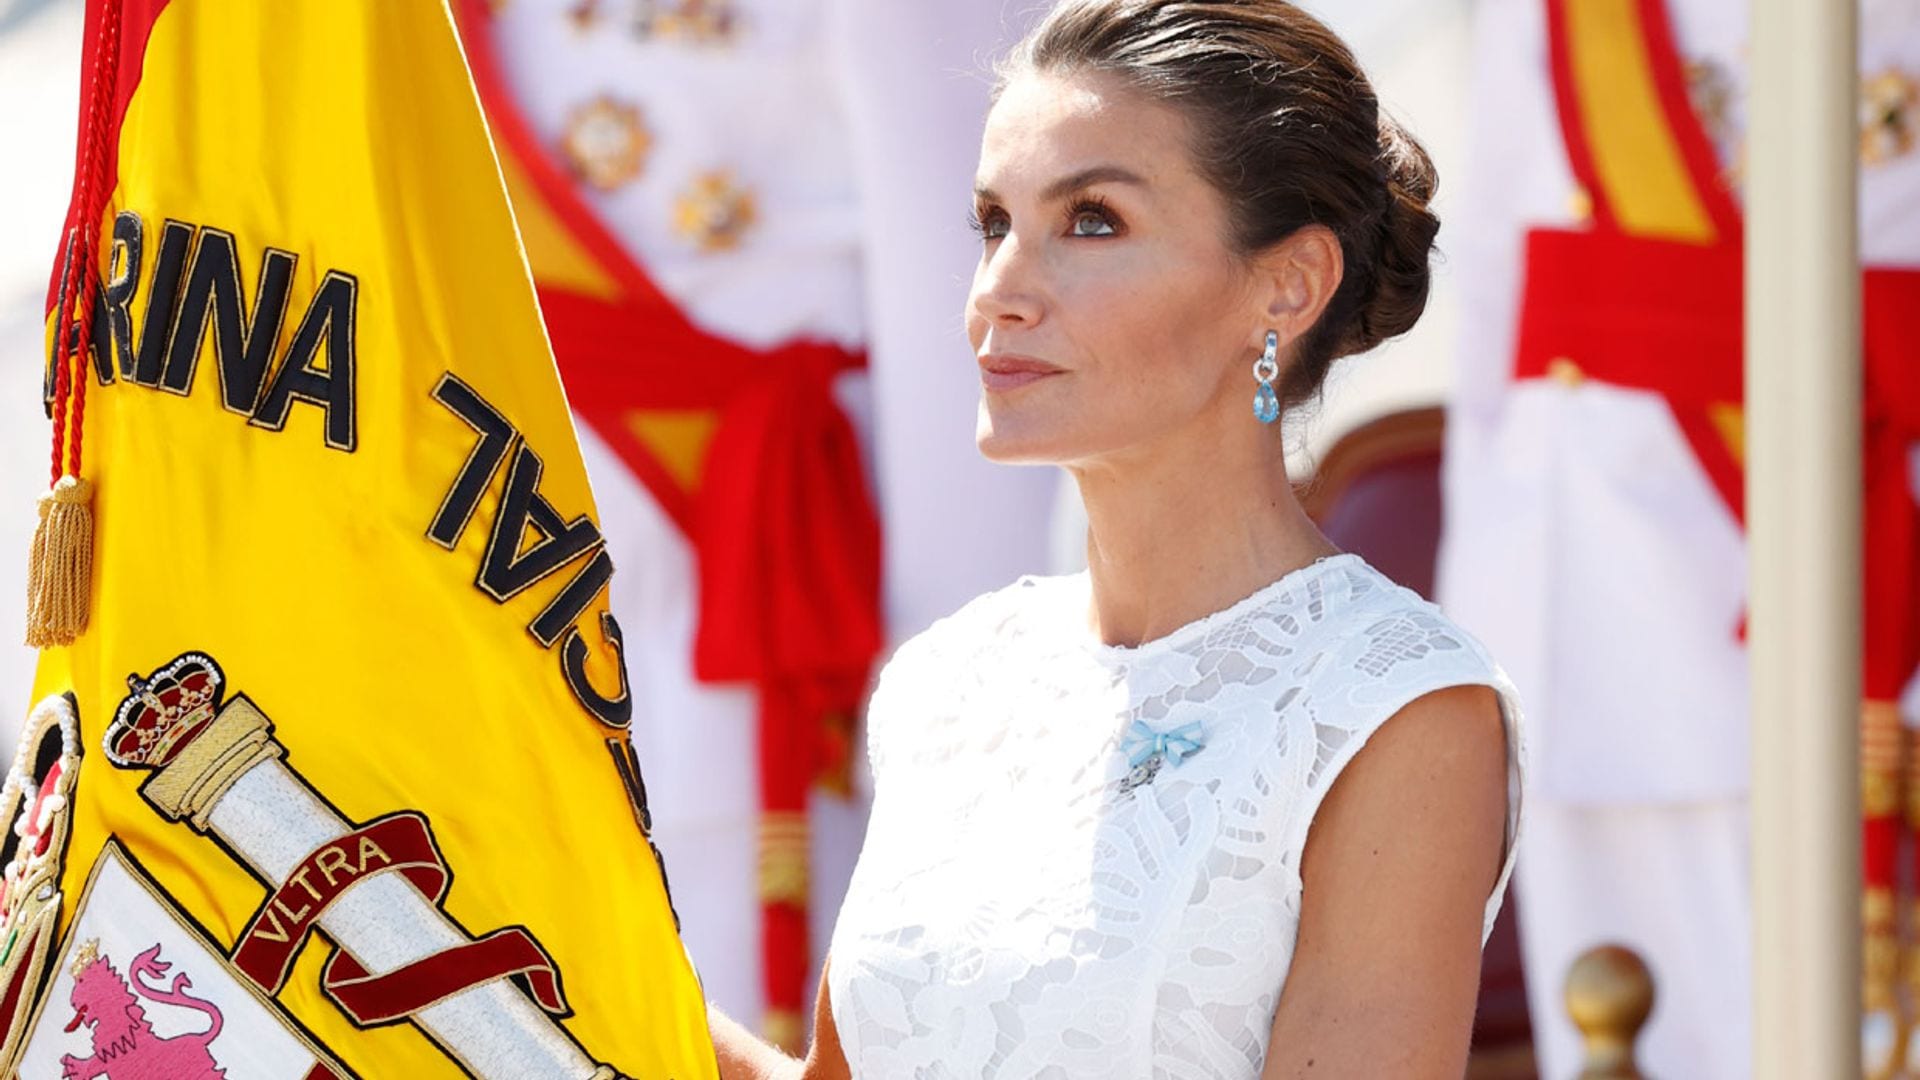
x,y
1123,824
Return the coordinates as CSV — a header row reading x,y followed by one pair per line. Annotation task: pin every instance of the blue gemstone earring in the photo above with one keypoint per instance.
x,y
1266,404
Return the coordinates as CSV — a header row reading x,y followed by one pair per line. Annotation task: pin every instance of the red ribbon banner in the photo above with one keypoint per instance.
x,y
382,999
398,842
401,843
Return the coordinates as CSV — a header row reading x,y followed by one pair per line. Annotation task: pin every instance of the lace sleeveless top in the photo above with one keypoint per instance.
x,y
1084,860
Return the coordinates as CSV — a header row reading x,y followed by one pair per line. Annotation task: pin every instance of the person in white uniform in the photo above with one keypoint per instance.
x,y
1590,549
837,123
1230,803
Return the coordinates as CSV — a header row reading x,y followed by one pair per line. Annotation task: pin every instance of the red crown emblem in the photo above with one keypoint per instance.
x,y
162,713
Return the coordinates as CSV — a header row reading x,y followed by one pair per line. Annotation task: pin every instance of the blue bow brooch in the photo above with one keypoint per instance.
x,y
1148,750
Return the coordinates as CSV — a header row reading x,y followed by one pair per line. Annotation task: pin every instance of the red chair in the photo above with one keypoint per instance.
x,y
1377,493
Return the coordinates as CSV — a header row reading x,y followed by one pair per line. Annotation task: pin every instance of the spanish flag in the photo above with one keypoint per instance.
x,y
329,772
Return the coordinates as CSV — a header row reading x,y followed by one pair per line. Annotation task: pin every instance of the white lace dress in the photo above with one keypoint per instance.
x,y
1084,860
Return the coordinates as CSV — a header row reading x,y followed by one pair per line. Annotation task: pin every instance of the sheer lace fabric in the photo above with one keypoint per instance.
x,y
1030,902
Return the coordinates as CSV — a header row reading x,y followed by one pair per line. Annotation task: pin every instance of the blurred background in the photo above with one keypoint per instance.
x,y
1554,452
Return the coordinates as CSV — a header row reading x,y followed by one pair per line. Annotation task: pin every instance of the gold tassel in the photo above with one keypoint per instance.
x,y
783,858
60,566
784,1029
836,769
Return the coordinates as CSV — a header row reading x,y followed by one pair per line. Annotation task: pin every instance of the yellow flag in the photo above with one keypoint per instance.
x,y
336,781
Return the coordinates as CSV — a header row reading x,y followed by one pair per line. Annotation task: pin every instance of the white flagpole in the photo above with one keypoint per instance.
x,y
1803,518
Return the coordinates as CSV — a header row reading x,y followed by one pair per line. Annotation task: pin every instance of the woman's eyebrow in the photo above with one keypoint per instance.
x,y
1085,178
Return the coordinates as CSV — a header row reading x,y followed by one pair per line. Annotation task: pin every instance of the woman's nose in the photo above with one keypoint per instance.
x,y
1005,289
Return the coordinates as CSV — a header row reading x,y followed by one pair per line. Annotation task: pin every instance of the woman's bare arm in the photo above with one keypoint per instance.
x,y
1401,858
745,1056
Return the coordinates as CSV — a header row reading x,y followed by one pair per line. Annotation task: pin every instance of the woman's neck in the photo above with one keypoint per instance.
x,y
1182,532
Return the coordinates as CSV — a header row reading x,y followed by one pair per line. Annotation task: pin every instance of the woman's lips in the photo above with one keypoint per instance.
x,y
1000,372
1010,380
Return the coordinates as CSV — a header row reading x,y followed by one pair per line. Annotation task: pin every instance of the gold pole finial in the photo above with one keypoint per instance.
x,y
1609,995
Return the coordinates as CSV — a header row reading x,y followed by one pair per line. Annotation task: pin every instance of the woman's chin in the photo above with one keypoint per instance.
x,y
1015,444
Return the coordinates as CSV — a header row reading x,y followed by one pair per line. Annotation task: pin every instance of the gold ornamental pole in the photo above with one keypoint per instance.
x,y
1803,527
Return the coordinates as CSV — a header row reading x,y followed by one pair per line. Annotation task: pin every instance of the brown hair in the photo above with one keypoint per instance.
x,y
1288,129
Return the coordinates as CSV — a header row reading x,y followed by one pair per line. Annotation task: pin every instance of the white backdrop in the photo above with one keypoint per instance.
x,y
39,98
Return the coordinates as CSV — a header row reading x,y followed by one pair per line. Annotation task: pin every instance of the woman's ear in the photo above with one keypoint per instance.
x,y
1302,273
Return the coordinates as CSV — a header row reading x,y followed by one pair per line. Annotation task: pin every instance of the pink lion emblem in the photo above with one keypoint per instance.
x,y
124,1045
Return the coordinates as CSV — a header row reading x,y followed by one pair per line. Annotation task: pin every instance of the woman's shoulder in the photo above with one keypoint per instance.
x,y
1380,649
1361,630
1355,648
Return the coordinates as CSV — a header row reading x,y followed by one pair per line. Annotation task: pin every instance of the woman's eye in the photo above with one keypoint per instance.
x,y
1092,223
990,226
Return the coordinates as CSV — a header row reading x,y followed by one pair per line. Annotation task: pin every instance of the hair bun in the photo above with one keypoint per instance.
x,y
1405,234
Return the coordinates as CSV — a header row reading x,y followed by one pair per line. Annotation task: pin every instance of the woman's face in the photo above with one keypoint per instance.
x,y
1108,312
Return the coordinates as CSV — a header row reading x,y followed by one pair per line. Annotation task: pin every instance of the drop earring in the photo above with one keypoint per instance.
x,y
1266,404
